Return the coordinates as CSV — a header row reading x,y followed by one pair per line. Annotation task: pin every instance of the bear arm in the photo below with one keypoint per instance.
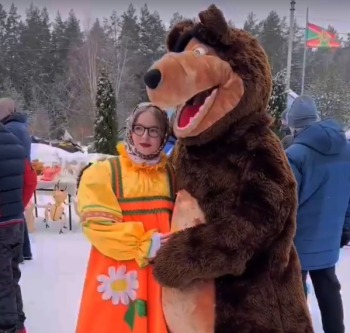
x,y
225,244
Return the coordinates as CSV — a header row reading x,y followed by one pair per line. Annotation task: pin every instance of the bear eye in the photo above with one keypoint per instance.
x,y
200,51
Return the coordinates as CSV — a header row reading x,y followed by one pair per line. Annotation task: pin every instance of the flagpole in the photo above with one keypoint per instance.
x,y
305,51
290,44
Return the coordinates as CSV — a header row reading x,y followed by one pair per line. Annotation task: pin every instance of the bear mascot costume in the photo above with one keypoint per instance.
x,y
230,265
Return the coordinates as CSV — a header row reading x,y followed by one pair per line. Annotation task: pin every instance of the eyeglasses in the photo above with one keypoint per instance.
x,y
139,130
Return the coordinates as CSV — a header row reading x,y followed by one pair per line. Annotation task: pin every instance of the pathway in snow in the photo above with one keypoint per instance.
x,y
52,282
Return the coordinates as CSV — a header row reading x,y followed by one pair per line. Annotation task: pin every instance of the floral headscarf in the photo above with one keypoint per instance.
x,y
129,143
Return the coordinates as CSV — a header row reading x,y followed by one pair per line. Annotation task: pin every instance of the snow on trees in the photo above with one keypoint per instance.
x,y
106,126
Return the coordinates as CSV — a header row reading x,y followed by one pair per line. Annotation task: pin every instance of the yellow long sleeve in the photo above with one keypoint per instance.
x,y
103,221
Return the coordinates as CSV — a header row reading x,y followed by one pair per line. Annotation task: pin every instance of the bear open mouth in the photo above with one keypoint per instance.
x,y
197,105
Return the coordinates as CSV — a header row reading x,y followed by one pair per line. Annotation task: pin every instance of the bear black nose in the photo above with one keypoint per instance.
x,y
152,78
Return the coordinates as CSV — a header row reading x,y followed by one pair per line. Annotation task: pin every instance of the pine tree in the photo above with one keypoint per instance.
x,y
331,95
73,34
35,60
11,44
274,39
106,127
58,41
297,57
278,100
176,18
65,36
152,36
3,16
129,48
7,89
251,25
342,61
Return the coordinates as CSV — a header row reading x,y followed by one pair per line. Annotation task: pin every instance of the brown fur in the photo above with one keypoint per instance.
x,y
239,175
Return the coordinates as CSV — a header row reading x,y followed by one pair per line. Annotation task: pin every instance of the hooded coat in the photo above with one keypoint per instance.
x,y
320,159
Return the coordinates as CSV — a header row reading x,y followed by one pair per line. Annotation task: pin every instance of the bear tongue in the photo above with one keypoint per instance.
x,y
188,112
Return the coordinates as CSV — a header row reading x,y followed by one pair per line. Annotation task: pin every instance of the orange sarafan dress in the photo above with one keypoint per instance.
x,y
122,204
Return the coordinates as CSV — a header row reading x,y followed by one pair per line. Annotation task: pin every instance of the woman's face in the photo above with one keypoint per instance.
x,y
146,133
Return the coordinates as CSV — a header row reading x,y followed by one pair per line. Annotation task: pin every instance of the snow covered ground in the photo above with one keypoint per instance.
x,y
52,283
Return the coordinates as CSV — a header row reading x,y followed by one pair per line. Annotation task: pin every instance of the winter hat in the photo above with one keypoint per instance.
x,y
7,108
302,112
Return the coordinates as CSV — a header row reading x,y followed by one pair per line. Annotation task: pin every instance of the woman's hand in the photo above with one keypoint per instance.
x,y
158,239
164,238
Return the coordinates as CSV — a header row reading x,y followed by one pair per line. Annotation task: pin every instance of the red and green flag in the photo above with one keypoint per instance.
x,y
317,37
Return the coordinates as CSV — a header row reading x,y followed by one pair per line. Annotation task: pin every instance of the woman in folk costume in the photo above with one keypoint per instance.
x,y
125,204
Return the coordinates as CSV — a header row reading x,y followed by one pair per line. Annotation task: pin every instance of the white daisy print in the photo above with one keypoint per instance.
x,y
119,286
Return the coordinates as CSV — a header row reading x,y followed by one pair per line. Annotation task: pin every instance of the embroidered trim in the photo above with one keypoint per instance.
x,y
103,215
99,208
145,199
145,212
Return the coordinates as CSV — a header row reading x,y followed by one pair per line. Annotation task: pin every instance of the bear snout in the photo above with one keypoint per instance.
x,y
152,78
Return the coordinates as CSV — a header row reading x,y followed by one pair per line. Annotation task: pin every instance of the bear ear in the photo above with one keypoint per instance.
x,y
176,32
214,20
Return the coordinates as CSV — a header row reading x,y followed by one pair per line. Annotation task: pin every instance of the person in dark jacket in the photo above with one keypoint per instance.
x,y
320,159
12,169
288,138
284,126
16,123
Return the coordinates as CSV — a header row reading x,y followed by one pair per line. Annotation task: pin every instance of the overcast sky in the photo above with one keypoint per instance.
x,y
322,12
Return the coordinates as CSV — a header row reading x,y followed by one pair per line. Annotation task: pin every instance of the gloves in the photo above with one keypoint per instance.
x,y
155,244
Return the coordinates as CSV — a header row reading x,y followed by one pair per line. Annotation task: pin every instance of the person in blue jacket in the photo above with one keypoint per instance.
x,y
320,160
12,170
17,124
170,145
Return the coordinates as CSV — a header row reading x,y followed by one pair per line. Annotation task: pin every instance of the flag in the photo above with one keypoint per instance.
x,y
317,37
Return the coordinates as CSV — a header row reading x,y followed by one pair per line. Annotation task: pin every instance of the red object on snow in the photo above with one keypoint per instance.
x,y
30,183
50,173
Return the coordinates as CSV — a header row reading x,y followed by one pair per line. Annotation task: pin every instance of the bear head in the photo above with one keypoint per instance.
x,y
213,74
